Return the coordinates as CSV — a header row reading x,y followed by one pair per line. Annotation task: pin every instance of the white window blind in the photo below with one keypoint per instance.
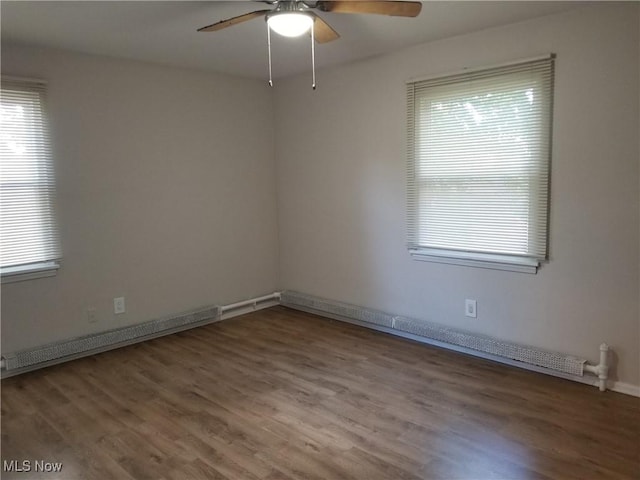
x,y
478,165
28,232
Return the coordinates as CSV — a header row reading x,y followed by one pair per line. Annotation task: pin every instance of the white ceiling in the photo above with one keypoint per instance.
x,y
165,32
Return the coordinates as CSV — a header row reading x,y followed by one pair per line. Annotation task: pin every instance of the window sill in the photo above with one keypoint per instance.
x,y
29,272
479,260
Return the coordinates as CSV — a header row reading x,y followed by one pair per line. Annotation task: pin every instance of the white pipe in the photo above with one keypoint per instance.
x,y
602,369
252,301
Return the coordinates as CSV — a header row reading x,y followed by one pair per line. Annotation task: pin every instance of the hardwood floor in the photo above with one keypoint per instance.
x,y
280,394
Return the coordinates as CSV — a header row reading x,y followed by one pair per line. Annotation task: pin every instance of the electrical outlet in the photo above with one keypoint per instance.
x,y
118,305
470,308
91,315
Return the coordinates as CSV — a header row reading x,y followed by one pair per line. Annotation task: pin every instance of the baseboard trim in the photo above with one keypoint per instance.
x,y
626,388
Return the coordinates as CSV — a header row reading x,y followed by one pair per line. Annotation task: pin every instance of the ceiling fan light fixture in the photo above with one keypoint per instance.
x,y
290,24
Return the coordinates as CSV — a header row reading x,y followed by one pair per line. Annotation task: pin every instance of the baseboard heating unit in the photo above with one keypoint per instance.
x,y
523,356
558,364
58,352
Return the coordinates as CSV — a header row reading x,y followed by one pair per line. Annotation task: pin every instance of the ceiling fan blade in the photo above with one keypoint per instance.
x,y
233,21
395,9
322,31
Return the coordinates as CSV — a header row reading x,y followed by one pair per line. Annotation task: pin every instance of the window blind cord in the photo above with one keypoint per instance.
x,y
269,49
313,56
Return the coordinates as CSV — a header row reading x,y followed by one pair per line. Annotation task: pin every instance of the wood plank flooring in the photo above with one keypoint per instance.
x,y
280,394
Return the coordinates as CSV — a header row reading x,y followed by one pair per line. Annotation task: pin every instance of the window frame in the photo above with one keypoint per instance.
x,y
50,263
526,263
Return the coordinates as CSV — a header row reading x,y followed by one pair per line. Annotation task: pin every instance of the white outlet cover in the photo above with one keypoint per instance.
x,y
470,308
118,305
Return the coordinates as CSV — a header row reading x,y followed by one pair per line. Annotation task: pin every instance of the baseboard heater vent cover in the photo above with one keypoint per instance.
x,y
481,343
108,340
294,299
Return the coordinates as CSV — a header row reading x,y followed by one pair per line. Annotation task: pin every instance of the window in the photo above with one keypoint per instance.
x,y
478,166
29,245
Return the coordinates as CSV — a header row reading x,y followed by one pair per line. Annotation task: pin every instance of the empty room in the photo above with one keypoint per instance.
x,y
330,240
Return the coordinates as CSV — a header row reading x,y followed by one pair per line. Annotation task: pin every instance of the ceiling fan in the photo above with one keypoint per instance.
x,y
292,18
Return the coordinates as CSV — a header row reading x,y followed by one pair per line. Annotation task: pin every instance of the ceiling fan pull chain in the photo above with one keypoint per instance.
x,y
269,48
313,55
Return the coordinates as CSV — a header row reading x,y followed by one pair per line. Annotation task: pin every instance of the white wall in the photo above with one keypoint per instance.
x,y
166,194
341,189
